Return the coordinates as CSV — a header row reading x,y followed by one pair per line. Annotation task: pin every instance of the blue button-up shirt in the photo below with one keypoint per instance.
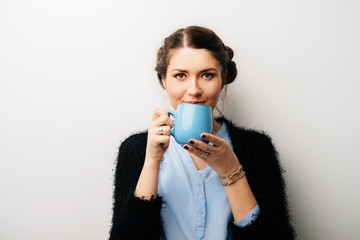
x,y
195,203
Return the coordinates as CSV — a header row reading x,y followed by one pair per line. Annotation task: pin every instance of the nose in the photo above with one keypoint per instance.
x,y
194,88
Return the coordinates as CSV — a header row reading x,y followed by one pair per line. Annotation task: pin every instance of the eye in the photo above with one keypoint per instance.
x,y
208,75
180,76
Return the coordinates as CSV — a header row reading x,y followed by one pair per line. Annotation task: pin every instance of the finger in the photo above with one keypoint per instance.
x,y
202,154
161,120
156,130
214,139
158,112
166,130
202,146
160,140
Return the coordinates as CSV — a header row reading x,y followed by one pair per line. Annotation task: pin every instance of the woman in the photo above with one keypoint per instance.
x,y
198,191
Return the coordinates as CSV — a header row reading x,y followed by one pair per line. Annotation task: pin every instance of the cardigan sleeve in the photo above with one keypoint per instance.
x,y
249,218
265,178
133,218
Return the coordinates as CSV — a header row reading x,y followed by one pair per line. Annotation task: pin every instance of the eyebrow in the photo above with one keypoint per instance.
x,y
204,70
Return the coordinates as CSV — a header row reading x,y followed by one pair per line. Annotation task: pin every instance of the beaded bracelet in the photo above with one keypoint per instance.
x,y
233,174
234,180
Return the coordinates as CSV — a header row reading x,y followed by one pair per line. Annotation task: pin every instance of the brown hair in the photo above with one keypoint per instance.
x,y
197,37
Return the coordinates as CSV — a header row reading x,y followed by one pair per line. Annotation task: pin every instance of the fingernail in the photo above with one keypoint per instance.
x,y
203,136
186,147
191,142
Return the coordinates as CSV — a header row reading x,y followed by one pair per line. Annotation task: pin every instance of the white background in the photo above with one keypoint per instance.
x,y
76,78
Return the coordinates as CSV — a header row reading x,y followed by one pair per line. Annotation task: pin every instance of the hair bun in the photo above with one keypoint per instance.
x,y
230,52
231,72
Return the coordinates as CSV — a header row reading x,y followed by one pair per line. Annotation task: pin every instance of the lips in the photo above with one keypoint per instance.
x,y
194,102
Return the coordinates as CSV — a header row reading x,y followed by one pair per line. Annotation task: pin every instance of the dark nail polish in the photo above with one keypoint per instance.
x,y
203,136
186,147
191,142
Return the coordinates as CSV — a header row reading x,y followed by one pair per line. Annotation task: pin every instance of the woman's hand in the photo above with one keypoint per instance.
x,y
158,141
219,156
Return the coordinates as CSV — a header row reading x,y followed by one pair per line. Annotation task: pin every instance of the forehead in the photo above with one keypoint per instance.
x,y
191,58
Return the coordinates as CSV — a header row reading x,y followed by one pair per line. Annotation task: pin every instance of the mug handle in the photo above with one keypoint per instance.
x,y
172,113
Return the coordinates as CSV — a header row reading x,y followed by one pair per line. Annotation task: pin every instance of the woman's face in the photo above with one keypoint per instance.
x,y
193,76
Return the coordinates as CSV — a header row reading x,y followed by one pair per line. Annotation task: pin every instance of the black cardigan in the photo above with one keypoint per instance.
x,y
136,219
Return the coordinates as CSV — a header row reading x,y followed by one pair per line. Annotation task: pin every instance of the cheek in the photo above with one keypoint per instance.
x,y
214,96
173,92
214,92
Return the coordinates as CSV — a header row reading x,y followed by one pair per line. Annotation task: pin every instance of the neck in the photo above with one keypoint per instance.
x,y
216,125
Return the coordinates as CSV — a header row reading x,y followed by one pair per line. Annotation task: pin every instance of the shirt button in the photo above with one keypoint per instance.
x,y
201,212
199,184
200,196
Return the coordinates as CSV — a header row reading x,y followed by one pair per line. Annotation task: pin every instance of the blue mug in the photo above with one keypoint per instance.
x,y
191,120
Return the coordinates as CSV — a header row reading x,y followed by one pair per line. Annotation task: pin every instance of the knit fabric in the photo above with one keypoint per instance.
x,y
137,219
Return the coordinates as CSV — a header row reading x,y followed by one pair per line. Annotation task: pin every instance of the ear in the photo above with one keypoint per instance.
x,y
163,82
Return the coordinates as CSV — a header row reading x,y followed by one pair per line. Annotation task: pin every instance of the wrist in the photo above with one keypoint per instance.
x,y
233,177
151,163
147,184
231,171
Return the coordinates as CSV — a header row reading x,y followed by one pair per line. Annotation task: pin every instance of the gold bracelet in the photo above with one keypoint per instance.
x,y
231,175
234,180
